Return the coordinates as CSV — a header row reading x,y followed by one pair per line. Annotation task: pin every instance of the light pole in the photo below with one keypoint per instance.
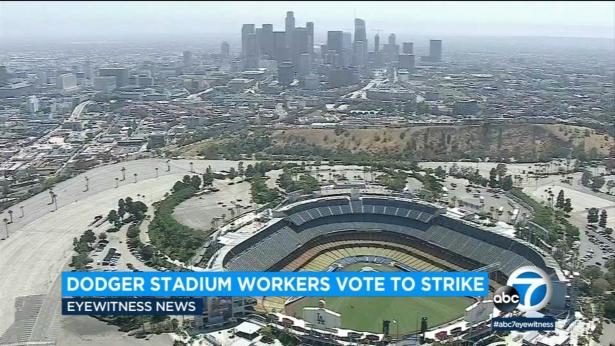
x,y
396,330
156,171
168,165
116,182
191,167
21,208
10,215
135,175
87,184
6,226
123,170
55,201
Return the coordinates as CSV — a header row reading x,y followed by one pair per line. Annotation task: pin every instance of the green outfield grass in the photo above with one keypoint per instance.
x,y
367,313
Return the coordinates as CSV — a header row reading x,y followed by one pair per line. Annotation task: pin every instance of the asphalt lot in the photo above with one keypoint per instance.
x,y
40,243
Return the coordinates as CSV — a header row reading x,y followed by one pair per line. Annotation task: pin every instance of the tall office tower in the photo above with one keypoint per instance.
x,y
310,28
246,30
299,44
359,30
289,26
286,73
259,38
280,50
359,49
304,65
392,39
359,53
407,48
225,49
347,40
121,75
406,61
187,58
377,43
335,41
266,40
251,53
435,50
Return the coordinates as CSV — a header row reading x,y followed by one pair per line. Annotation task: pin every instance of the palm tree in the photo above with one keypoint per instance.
x,y
10,215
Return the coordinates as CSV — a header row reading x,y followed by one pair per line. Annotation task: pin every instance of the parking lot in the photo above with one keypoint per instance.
x,y
468,197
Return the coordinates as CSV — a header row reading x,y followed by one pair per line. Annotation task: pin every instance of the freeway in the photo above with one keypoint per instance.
x,y
76,114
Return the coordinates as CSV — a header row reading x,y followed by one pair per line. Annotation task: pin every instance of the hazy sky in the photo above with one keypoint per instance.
x,y
115,20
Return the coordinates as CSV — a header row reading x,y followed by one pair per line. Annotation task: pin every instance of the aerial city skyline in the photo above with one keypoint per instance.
x,y
347,54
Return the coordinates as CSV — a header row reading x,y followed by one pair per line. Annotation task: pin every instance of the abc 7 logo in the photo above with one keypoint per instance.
x,y
527,289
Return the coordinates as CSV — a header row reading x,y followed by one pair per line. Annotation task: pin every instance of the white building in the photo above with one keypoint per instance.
x,y
32,104
66,82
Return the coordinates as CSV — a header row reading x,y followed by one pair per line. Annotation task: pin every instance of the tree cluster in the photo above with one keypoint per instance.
x,y
472,175
563,203
290,181
499,179
261,194
169,236
594,182
127,211
82,246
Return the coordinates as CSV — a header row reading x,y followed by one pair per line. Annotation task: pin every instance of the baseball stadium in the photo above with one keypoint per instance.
x,y
358,230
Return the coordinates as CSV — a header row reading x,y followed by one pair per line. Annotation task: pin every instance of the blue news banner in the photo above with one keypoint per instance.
x,y
97,293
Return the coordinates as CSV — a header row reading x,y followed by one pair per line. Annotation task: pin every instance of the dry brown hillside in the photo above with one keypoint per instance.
x,y
522,141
